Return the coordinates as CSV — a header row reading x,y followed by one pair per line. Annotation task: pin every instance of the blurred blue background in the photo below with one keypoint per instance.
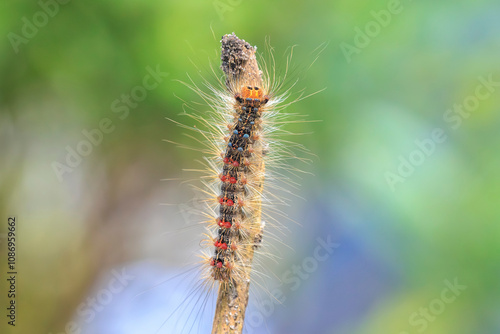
x,y
404,182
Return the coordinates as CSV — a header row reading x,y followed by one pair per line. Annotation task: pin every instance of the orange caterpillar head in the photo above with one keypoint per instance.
x,y
249,92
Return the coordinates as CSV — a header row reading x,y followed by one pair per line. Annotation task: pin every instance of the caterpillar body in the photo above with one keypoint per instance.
x,y
241,180
238,133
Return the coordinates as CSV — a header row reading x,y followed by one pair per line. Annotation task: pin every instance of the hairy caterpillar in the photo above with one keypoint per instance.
x,y
239,136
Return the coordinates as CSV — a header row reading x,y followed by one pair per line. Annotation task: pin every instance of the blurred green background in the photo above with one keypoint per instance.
x,y
411,211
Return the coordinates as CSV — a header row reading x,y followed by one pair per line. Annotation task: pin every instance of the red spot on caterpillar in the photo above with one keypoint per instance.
x,y
232,180
226,160
229,265
226,201
234,246
222,223
220,245
236,164
223,178
240,202
212,262
219,265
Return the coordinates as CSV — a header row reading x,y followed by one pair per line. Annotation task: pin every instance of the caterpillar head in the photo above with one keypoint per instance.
x,y
252,95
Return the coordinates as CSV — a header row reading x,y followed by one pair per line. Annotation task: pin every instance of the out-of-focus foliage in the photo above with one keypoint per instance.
x,y
405,170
